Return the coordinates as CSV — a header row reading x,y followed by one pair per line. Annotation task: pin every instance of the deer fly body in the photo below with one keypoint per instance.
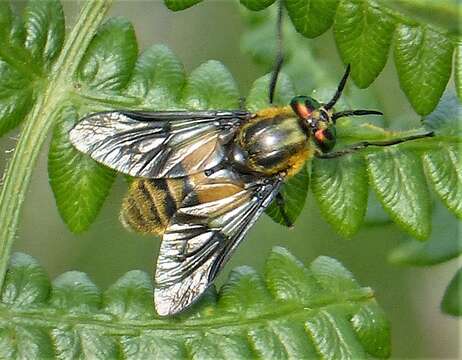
x,y
203,178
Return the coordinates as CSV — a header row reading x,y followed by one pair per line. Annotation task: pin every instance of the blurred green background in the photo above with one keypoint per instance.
x,y
212,30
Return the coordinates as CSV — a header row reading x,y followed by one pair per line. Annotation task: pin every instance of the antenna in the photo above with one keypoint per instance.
x,y
340,88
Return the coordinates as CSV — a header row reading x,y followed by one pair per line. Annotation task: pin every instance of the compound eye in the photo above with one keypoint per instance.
x,y
325,139
304,106
303,111
312,103
324,116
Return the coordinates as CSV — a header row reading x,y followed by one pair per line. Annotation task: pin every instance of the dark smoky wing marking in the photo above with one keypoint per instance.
x,y
153,145
203,234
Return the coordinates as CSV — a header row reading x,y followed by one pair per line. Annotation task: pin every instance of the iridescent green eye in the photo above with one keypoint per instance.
x,y
325,139
312,103
303,106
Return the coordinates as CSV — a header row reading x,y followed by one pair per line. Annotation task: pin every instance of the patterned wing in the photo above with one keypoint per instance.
x,y
203,233
158,144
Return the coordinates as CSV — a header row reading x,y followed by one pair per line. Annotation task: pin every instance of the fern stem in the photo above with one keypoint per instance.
x,y
38,123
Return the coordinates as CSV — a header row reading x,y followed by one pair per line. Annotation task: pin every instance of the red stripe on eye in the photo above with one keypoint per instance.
x,y
319,135
303,111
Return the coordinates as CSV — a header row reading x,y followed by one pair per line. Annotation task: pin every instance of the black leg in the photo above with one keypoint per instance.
x,y
242,106
364,144
280,202
279,56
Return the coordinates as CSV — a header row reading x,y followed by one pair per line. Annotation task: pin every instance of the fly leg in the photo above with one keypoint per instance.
x,y
279,56
280,202
210,172
364,144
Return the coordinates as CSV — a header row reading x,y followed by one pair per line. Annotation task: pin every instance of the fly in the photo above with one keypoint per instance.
x,y
203,178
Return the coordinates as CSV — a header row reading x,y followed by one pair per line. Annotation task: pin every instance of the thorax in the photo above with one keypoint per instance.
x,y
271,142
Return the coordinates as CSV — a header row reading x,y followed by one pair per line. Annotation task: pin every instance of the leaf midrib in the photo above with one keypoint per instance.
x,y
54,318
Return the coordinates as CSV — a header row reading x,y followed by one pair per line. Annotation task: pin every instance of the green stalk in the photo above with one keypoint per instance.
x,y
39,122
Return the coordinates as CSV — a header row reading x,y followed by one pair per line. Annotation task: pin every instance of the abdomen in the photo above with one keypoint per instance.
x,y
150,203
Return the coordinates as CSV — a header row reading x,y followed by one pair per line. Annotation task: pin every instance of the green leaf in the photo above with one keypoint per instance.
x,y
363,33
243,280
325,329
29,46
130,298
211,86
398,179
80,185
158,78
458,70
258,97
294,192
257,5
292,312
28,285
311,18
74,292
287,278
86,343
176,5
443,245
445,174
452,300
24,342
109,60
332,275
16,96
8,22
371,326
152,345
341,190
441,13
443,164
423,60
289,281
44,31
